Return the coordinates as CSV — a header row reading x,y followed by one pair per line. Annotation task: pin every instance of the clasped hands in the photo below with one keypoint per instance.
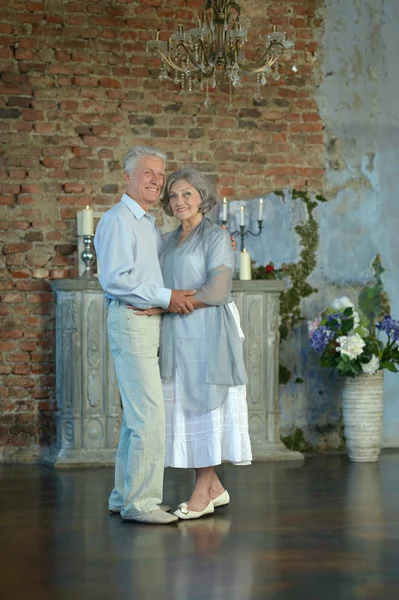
x,y
179,303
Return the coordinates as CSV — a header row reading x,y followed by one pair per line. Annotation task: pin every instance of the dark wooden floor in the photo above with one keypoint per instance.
x,y
324,530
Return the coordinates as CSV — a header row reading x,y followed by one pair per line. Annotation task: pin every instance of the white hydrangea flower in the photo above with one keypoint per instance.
x,y
341,303
372,366
351,345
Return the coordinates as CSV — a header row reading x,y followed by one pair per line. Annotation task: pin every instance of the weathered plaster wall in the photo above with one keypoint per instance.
x,y
358,101
357,250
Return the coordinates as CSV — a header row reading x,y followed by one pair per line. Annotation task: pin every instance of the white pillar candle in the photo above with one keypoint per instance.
x,y
224,211
242,219
85,219
260,218
245,265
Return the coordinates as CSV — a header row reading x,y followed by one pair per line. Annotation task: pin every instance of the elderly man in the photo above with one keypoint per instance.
x,y
127,244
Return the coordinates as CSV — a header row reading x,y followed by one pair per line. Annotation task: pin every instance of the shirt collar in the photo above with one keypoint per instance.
x,y
136,209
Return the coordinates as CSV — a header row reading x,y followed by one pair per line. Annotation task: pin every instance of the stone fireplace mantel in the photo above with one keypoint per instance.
x,y
89,410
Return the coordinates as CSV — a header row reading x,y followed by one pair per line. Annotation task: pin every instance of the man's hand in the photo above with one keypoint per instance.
x,y
180,303
233,241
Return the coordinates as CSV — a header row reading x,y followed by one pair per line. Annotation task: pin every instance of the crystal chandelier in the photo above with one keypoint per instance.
x,y
215,45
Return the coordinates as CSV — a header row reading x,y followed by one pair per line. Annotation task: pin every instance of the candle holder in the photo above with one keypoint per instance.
x,y
243,232
88,256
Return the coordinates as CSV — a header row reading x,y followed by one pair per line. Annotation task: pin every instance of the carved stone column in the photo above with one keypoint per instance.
x,y
88,402
258,303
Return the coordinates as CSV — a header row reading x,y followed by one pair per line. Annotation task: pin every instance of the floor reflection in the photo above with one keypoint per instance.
x,y
208,562
326,529
205,535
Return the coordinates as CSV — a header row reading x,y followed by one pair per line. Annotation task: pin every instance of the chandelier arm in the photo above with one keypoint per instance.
x,y
201,15
211,63
208,73
203,19
264,61
237,47
233,4
205,16
188,54
169,60
233,51
225,54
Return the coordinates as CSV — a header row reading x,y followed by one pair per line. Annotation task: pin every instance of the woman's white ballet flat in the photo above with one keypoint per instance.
x,y
221,500
183,513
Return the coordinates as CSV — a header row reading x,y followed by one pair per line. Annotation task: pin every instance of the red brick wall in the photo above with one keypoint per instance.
x,y
75,94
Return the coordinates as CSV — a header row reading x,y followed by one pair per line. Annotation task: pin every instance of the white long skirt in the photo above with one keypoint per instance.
x,y
195,440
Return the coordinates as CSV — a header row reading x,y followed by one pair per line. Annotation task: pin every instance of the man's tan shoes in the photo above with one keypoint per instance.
x,y
155,517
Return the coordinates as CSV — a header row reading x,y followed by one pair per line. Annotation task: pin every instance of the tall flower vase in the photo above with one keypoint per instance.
x,y
363,407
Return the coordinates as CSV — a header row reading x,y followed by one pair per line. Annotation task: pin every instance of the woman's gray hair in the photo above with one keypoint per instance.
x,y
209,196
137,152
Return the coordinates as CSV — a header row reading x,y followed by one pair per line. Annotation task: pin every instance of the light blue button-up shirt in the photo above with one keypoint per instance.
x,y
127,244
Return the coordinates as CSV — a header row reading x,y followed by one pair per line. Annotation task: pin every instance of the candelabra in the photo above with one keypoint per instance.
x,y
243,232
245,265
88,256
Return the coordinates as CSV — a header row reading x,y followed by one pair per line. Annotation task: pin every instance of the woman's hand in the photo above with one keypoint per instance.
x,y
233,241
148,312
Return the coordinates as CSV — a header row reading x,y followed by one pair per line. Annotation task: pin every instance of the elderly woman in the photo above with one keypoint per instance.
x,y
201,357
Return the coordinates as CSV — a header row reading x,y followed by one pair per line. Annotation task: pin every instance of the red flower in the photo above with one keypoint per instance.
x,y
269,268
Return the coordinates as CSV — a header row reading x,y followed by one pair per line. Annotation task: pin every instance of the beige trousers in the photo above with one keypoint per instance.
x,y
139,466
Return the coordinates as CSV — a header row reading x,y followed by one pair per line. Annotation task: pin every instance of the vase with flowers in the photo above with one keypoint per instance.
x,y
346,345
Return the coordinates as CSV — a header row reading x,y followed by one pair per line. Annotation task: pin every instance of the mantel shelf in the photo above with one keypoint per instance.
x,y
82,284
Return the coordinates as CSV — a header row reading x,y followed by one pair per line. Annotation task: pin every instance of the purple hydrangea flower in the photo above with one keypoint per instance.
x,y
320,338
389,326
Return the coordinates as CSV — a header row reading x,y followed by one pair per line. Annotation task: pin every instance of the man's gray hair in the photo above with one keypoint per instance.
x,y
133,156
209,196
